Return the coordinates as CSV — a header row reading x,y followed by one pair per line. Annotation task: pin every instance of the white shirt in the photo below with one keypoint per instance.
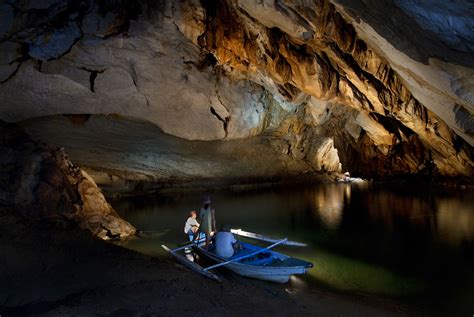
x,y
189,223
224,241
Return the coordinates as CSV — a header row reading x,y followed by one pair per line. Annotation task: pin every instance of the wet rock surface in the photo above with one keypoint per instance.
x,y
40,183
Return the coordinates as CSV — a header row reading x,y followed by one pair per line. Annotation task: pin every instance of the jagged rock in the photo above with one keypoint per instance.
x,y
96,214
304,72
54,43
42,184
190,18
421,29
167,85
333,65
99,26
325,156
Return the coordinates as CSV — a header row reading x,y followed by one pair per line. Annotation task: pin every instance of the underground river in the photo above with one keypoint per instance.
x,y
411,244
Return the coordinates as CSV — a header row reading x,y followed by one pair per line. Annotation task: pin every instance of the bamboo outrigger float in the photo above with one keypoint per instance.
x,y
252,261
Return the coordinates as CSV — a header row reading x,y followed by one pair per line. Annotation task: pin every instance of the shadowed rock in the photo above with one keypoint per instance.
x,y
40,183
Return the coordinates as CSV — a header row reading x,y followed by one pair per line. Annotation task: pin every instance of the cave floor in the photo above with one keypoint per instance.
x,y
51,271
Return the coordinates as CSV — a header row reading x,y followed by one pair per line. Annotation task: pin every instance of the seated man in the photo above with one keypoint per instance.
x,y
191,226
226,243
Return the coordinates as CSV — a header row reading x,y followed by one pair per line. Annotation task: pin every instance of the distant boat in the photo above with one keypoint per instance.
x,y
348,180
252,261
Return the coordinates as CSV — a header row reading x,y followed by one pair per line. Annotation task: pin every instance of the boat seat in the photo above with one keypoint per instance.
x,y
241,253
258,260
261,262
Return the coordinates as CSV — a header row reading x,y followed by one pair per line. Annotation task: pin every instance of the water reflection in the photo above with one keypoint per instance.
x,y
391,210
329,203
350,209
362,238
447,219
455,221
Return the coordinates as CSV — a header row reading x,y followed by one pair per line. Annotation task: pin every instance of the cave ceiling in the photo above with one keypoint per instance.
x,y
372,85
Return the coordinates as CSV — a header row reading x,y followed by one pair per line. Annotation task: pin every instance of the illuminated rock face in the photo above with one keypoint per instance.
x,y
315,75
42,184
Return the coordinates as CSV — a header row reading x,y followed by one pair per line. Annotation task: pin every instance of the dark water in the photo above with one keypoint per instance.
x,y
414,244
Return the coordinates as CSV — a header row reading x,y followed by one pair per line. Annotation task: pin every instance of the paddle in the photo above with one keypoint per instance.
x,y
261,237
189,264
177,249
246,256
184,246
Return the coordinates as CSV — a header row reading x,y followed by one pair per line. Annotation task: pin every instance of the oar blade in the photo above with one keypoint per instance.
x,y
193,266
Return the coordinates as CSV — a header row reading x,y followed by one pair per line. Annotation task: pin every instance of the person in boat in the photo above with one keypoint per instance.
x,y
226,244
207,217
191,226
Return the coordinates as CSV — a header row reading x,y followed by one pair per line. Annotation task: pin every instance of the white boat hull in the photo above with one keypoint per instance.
x,y
272,273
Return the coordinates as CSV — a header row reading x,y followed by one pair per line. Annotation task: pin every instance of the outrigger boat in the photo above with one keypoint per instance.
x,y
252,261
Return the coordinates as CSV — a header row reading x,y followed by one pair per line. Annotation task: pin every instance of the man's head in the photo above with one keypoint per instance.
x,y
225,228
206,200
193,214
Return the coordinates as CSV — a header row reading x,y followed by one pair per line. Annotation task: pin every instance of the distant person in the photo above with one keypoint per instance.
x,y
226,244
207,216
191,226
347,176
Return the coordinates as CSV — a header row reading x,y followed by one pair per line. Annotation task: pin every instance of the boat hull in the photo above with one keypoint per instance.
x,y
272,273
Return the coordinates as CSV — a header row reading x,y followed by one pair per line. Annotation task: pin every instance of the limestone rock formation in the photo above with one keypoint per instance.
x,y
42,184
337,84
149,160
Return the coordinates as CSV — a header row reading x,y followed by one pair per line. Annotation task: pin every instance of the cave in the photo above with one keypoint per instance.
x,y
346,124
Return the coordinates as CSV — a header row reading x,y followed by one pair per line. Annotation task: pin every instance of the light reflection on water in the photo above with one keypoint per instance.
x,y
455,221
362,238
329,204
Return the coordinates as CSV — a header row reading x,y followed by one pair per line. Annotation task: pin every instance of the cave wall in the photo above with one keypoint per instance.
x,y
148,71
330,80
40,183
